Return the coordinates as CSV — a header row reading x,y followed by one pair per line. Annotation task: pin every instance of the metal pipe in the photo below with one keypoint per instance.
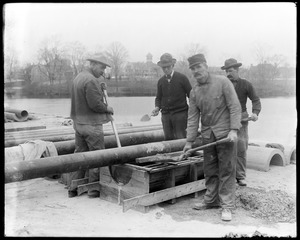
x,y
64,136
67,147
20,171
19,113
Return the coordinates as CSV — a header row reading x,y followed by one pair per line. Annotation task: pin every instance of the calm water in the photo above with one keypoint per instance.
x,y
277,121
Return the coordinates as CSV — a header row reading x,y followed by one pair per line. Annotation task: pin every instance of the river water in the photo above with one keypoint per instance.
x,y
277,121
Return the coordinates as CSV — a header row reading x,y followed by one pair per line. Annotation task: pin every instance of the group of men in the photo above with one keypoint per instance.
x,y
216,103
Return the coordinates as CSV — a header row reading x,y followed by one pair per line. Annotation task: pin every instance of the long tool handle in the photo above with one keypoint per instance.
x,y
112,121
224,140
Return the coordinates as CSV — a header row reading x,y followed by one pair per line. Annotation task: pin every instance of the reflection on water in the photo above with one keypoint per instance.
x,y
277,121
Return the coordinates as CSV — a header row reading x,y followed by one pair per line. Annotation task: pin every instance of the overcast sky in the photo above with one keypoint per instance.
x,y
224,30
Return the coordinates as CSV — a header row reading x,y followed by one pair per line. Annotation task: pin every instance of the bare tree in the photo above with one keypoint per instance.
x,y
117,54
76,53
50,59
10,63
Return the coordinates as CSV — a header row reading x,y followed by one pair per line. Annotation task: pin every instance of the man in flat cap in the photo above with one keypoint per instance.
x,y
89,112
244,90
214,102
172,90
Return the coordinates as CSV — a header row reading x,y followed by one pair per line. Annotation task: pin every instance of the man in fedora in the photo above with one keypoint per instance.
x,y
172,90
89,112
214,102
244,90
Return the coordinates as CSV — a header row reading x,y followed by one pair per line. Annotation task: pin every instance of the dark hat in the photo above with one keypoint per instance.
x,y
231,62
166,60
99,59
196,59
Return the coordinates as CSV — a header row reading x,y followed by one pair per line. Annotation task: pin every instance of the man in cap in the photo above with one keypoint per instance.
x,y
172,90
214,102
89,112
244,90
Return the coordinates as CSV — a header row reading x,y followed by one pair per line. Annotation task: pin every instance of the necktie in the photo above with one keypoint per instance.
x,y
168,76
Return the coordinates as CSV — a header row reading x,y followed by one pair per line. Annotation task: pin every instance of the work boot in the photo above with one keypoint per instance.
x,y
226,214
203,206
93,194
242,182
72,194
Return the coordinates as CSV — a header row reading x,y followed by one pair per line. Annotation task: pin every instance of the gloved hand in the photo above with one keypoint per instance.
x,y
232,135
254,117
155,111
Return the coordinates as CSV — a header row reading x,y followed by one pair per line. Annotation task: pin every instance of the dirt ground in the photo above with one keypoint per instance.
x,y
41,207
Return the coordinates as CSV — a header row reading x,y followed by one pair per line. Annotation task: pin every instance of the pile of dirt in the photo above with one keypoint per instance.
x,y
274,205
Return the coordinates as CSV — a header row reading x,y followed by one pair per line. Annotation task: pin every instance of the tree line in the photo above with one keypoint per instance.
x,y
57,64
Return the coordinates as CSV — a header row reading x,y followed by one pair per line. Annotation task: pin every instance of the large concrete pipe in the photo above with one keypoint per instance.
x,y
24,170
289,151
14,117
17,112
260,158
290,154
14,140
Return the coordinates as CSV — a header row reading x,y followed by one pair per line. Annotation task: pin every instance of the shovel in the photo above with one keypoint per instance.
x,y
191,151
146,117
165,157
103,86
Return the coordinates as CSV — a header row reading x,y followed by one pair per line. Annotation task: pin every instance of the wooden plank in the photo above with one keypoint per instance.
x,y
90,186
76,182
164,195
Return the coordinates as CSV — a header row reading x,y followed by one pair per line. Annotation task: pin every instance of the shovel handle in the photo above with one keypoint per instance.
x,y
224,140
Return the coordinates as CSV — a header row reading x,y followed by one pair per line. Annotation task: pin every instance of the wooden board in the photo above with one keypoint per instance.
x,y
164,195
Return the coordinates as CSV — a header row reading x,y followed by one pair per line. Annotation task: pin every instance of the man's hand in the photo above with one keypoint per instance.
x,y
155,111
187,147
110,110
232,135
254,117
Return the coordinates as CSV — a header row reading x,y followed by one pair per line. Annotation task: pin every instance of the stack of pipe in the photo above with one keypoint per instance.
x,y
66,134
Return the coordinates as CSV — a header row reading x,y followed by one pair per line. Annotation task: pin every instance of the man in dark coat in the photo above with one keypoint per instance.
x,y
89,112
171,99
244,90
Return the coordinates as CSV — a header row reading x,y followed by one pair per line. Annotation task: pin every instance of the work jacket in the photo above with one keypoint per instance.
x,y
87,100
217,104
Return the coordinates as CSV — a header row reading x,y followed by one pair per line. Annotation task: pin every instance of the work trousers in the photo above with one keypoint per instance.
x,y
219,172
174,125
242,146
87,138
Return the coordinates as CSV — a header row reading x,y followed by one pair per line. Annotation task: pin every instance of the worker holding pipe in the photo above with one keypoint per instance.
x,y
244,90
172,90
89,112
214,102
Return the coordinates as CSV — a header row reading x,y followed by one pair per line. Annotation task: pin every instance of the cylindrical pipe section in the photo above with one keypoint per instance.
x,y
260,158
12,140
67,147
19,113
24,170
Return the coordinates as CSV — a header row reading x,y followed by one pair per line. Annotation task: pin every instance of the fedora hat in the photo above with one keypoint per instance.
x,y
166,60
196,59
231,62
99,59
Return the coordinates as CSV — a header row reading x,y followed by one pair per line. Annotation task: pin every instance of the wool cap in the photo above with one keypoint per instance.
x,y
196,59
